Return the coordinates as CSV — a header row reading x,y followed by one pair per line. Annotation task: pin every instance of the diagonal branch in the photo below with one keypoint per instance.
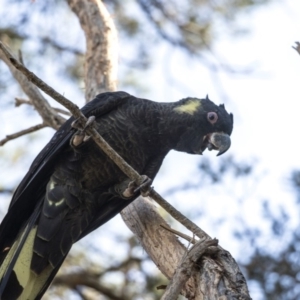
x,y
191,240
20,101
48,114
13,136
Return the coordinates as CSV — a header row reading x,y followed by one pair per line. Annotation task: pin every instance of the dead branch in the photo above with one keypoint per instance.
x,y
191,240
101,57
218,276
177,215
20,101
62,111
49,116
16,135
186,268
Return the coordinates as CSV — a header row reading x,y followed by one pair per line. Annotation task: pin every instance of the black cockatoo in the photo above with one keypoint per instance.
x,y
72,187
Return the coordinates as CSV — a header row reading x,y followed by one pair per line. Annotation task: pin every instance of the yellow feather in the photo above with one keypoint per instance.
x,y
22,266
190,107
35,284
31,282
7,259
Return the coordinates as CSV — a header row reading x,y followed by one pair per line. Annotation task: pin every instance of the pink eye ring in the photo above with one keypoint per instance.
x,y
212,117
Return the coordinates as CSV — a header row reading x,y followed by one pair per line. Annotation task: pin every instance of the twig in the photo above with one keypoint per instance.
x,y
20,57
42,85
49,116
182,235
177,215
297,48
185,270
62,111
21,133
20,101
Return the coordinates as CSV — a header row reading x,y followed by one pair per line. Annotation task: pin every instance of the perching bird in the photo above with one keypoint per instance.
x,y
72,187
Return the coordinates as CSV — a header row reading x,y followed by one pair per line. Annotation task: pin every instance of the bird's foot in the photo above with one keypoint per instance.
x,y
133,188
80,136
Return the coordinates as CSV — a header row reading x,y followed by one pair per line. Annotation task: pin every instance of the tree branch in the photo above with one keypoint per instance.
x,y
49,116
101,46
186,268
182,235
13,136
218,276
20,101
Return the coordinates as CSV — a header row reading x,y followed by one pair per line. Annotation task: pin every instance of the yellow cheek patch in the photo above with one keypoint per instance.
x,y
190,107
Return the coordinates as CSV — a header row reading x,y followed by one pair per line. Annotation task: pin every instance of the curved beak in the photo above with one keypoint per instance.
x,y
219,141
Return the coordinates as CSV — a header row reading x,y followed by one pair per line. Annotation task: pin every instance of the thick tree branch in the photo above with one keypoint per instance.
x,y
49,116
186,268
16,135
101,46
218,276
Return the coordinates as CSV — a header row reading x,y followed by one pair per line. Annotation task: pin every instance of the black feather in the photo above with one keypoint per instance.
x,y
68,192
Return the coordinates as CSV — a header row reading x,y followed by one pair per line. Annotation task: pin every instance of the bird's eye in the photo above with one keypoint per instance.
x,y
212,117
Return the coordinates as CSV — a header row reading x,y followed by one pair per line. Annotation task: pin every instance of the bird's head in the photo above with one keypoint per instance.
x,y
207,125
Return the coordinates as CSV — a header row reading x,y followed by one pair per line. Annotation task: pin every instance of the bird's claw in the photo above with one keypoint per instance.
x,y
133,188
145,186
80,136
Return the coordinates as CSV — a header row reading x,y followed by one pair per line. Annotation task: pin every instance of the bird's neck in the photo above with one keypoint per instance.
x,y
168,125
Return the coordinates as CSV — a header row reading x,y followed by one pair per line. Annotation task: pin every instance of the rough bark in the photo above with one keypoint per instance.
x,y
101,46
216,276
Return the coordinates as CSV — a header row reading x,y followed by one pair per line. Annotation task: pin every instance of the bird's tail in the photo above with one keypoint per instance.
x,y
17,280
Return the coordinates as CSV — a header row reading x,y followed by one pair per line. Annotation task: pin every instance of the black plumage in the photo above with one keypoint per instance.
x,y
71,190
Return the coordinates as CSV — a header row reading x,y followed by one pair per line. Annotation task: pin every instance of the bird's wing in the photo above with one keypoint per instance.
x,y
30,194
42,166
